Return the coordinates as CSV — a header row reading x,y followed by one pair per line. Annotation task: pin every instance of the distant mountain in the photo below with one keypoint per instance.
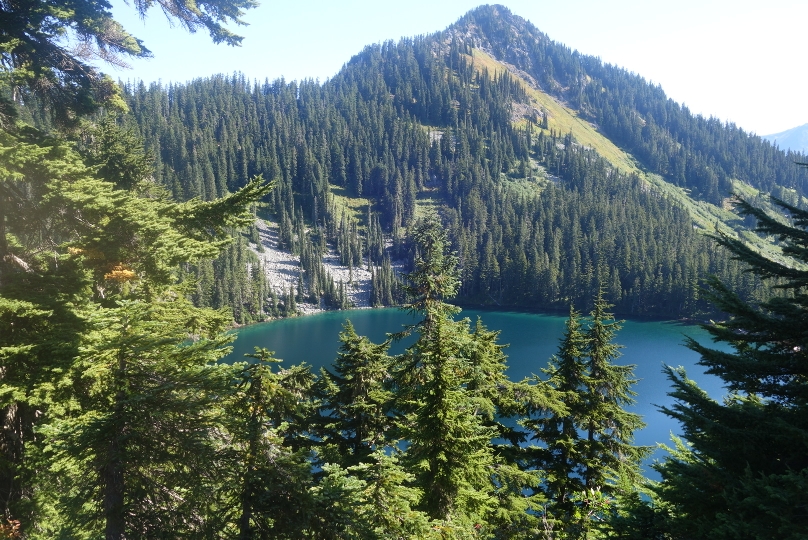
x,y
794,139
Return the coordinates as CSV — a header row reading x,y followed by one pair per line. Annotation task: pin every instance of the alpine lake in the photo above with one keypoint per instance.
x,y
531,340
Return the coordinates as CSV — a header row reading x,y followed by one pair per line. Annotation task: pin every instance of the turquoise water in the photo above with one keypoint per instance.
x,y
532,339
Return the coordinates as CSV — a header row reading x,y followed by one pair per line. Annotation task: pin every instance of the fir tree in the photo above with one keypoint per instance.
x,y
355,401
48,51
587,456
359,451
741,470
445,396
608,453
274,498
122,250
134,460
560,457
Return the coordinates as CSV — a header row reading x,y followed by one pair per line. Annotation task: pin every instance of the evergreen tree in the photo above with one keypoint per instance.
x,y
741,470
121,250
560,458
364,489
134,461
125,369
355,401
47,50
388,503
445,388
587,456
274,498
608,453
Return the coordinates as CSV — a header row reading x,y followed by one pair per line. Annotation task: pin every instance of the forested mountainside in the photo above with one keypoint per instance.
x,y
123,418
552,171
704,155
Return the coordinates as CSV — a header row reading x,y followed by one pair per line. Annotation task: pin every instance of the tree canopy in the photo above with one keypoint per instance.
x,y
47,49
741,470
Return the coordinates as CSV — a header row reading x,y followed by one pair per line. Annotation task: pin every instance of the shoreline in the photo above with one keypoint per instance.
x,y
282,270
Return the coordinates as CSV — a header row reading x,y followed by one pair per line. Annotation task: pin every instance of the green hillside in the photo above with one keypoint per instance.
x,y
554,174
484,165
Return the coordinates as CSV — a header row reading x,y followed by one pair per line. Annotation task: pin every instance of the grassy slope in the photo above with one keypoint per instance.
x,y
563,120
354,208
706,216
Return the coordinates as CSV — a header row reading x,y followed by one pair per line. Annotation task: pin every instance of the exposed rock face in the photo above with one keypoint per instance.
x,y
283,268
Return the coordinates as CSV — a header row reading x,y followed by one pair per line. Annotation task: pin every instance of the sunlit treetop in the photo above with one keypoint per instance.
x,y
47,47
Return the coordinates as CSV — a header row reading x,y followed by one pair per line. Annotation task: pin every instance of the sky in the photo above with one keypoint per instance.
x,y
741,61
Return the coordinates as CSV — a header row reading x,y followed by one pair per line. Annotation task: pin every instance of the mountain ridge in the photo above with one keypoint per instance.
x,y
706,214
555,174
794,139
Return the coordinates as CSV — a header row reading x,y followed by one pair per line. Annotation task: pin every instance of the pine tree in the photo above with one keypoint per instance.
x,y
122,392
742,471
358,450
388,503
40,53
134,460
355,401
450,447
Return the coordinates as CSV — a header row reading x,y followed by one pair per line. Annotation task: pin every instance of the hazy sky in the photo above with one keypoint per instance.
x,y
741,60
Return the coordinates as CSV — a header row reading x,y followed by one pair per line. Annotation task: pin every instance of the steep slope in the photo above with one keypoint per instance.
x,y
703,155
699,176
560,118
554,174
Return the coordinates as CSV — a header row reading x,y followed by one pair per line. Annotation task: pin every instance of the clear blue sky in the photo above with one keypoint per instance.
x,y
741,60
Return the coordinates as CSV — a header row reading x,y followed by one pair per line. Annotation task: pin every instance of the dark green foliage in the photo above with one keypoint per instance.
x,y
561,457
608,452
450,387
365,490
701,154
137,457
586,453
117,153
434,278
391,128
448,443
742,472
123,401
272,497
355,401
47,49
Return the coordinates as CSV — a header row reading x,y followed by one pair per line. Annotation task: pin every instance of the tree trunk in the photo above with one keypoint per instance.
x,y
17,421
113,469
113,492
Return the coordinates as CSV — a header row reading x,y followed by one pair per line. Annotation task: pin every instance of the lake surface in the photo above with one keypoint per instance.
x,y
532,339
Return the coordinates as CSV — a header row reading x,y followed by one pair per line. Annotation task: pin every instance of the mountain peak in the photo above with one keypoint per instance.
x,y
495,23
794,139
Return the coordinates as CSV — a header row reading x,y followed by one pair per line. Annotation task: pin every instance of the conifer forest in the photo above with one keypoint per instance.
x,y
446,171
